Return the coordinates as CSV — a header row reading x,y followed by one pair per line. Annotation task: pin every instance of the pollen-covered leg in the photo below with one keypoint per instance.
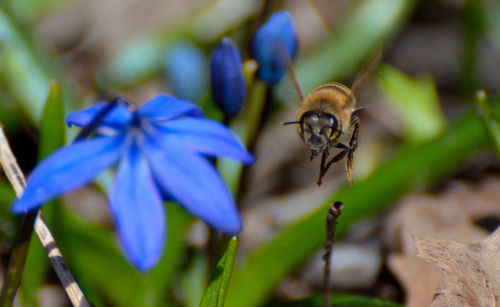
x,y
353,144
345,150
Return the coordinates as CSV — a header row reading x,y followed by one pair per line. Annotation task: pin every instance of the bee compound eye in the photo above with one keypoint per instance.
x,y
335,128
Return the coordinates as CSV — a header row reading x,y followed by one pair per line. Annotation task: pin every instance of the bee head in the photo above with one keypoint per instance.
x,y
318,129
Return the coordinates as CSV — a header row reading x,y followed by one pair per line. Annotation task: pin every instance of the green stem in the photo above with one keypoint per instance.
x,y
246,127
17,260
253,114
490,121
473,29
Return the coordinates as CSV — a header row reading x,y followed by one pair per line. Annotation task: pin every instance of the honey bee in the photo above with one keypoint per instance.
x,y
325,119
325,115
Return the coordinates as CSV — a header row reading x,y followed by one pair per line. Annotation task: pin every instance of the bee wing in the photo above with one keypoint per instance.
x,y
365,72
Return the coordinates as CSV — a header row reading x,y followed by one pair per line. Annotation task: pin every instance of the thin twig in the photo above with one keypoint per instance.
x,y
16,265
331,221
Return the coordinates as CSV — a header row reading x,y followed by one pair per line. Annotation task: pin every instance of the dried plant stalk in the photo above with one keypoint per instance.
x,y
331,221
18,255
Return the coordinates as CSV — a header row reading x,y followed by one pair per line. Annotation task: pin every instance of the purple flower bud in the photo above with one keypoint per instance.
x,y
228,83
272,40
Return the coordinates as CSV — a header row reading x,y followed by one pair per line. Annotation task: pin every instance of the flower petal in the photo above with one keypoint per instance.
x,y
116,118
165,107
193,182
208,137
67,169
136,205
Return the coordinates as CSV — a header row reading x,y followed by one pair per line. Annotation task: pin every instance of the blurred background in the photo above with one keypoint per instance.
x,y
425,163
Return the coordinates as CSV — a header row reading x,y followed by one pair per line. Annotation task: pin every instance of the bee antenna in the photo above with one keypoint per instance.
x,y
291,123
291,71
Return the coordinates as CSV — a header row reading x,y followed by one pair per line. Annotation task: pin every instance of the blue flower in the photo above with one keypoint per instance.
x,y
272,40
160,149
228,83
187,71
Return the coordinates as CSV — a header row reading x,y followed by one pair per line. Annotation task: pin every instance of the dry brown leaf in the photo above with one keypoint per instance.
x,y
479,200
419,278
447,216
470,272
430,217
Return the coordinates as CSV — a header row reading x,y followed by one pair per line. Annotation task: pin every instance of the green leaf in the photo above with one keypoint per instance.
x,y
9,115
473,30
215,294
52,126
101,269
7,196
492,123
416,101
343,300
52,137
23,77
8,221
25,67
411,168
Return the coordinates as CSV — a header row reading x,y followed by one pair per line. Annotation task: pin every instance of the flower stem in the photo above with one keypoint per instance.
x,y
213,238
331,221
20,250
245,126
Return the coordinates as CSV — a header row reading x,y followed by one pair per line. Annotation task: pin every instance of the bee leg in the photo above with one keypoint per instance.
x,y
342,146
353,144
325,166
322,170
346,150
